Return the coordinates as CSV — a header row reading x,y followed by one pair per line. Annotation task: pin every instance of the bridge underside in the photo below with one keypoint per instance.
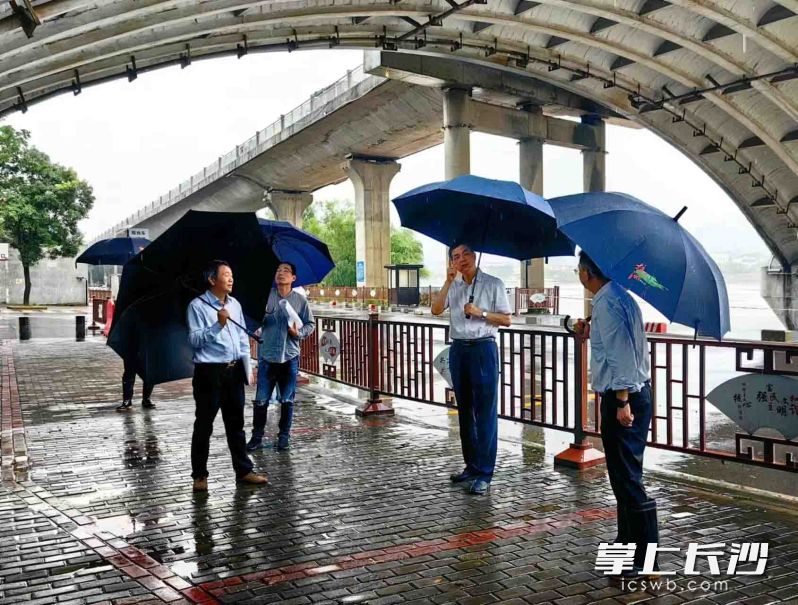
x,y
393,120
716,78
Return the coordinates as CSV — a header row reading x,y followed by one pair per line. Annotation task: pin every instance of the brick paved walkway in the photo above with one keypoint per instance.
x,y
359,511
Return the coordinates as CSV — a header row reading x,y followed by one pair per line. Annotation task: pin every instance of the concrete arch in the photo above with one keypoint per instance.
x,y
607,51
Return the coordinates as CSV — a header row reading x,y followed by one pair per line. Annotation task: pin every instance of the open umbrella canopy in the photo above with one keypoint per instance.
x,y
307,253
158,284
116,251
496,217
650,254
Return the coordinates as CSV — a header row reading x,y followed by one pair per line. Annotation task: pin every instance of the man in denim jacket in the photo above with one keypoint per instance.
x,y
278,356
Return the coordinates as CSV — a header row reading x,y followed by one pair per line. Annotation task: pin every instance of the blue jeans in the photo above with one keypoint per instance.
x,y
282,376
474,366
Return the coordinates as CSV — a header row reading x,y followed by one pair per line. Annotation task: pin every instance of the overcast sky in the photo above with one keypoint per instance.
x,y
135,141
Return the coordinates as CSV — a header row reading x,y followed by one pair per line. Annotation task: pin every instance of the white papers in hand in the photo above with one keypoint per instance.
x,y
293,317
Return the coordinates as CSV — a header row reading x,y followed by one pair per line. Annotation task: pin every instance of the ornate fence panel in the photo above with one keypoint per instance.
x,y
544,382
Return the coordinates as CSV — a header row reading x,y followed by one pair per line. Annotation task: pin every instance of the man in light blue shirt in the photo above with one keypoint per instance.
x,y
619,367
478,305
221,369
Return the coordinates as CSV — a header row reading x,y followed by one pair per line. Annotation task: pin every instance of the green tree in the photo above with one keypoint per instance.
x,y
334,223
41,203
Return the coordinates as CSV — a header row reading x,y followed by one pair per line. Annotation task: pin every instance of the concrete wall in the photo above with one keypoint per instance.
x,y
54,282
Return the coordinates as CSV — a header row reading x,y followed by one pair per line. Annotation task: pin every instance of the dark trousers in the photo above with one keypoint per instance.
x,y
474,366
218,386
624,448
283,376
129,379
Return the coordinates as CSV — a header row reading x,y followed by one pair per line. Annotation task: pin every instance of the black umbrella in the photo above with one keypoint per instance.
x,y
158,284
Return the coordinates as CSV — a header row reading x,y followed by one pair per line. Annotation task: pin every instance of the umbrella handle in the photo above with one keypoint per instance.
x,y
248,332
568,328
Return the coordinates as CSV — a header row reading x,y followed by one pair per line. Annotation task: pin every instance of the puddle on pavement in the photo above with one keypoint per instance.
x,y
71,570
184,569
120,526
138,454
83,499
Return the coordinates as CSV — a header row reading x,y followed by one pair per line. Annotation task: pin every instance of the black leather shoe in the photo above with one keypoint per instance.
x,y
461,477
480,487
147,404
125,406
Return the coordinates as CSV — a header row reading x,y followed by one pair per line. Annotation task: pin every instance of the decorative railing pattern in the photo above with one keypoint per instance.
x,y
544,380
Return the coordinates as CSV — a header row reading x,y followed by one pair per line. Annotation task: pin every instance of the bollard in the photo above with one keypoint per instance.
x,y
24,328
80,328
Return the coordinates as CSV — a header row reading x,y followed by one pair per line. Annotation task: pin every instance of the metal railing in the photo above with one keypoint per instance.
x,y
320,103
543,380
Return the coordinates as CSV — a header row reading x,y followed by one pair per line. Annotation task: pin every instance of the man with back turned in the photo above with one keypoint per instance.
x,y
620,372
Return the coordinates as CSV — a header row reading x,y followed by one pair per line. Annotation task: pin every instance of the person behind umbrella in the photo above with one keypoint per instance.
x,y
128,380
221,368
278,356
129,360
474,360
619,367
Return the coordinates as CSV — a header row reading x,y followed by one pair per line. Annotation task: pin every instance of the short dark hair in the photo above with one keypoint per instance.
x,y
212,270
589,265
457,244
291,265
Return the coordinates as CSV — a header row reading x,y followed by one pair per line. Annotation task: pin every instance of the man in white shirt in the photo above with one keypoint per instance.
x,y
478,305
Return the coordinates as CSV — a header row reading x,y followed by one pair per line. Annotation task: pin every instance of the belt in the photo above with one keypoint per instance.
x,y
474,341
647,383
228,365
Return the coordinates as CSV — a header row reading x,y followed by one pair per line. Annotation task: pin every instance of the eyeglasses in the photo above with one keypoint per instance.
x,y
576,271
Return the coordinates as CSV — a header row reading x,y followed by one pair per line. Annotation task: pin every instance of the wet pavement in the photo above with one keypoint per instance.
x,y
359,511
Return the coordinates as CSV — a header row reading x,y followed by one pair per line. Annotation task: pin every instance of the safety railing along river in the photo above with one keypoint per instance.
x,y
544,381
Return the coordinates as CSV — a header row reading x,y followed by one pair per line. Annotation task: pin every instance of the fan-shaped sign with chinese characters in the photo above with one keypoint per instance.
x,y
756,401
441,363
330,348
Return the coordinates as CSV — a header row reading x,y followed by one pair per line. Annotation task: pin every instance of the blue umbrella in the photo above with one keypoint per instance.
x,y
496,217
649,253
116,251
307,253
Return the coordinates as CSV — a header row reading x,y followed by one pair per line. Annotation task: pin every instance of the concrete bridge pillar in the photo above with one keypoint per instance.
x,y
594,173
531,173
372,179
456,136
456,132
779,288
289,205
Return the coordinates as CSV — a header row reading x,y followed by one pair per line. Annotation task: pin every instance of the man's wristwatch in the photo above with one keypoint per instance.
x,y
621,403
484,315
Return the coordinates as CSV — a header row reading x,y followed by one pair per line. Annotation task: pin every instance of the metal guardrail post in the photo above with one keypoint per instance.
x,y
374,405
580,454
80,328
24,328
